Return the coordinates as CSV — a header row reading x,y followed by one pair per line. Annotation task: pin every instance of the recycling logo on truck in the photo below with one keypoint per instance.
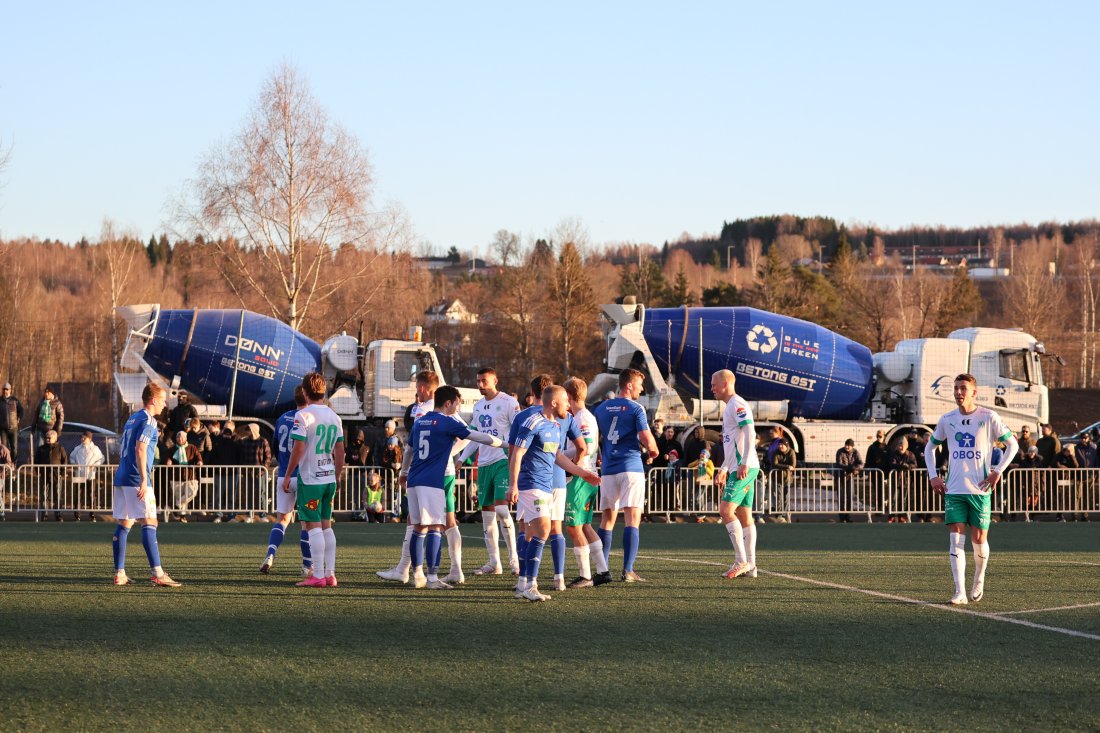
x,y
761,338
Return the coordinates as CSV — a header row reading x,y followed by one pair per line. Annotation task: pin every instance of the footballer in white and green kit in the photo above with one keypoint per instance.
x,y
319,459
968,433
737,475
493,414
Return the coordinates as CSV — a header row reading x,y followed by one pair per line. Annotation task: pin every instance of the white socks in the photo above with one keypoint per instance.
x,y
454,548
509,531
737,539
595,550
406,558
981,557
584,560
750,542
492,535
317,552
330,551
957,548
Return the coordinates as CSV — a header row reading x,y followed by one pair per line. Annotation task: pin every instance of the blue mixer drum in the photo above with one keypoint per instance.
x,y
820,373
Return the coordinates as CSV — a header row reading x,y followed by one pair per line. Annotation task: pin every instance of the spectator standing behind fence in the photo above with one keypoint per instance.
x,y
255,451
1027,439
87,455
878,454
849,465
198,436
50,415
184,482
1086,452
182,414
903,462
11,414
7,471
1067,494
776,436
779,477
1049,446
357,455
225,452
51,480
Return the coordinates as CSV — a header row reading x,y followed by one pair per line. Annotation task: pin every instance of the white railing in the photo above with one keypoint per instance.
x,y
183,491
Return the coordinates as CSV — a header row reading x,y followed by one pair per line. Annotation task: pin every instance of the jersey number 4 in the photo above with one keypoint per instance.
x,y
613,433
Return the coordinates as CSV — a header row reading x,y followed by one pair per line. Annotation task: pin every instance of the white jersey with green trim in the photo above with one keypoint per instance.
x,y
590,433
494,417
320,429
736,419
969,441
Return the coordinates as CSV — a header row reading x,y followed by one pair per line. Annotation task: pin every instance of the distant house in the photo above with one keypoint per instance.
x,y
450,312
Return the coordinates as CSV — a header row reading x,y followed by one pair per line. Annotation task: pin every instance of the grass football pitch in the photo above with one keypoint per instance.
x,y
844,629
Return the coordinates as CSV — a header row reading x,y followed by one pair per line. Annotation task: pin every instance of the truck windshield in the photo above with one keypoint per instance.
x,y
407,363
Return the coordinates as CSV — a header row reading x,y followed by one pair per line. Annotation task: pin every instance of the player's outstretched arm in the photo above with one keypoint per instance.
x,y
485,439
562,460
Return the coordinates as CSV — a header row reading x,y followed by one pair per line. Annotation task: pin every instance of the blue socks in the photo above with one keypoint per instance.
x,y
149,541
437,558
605,536
275,538
521,553
416,550
307,559
433,548
534,558
630,548
557,552
118,544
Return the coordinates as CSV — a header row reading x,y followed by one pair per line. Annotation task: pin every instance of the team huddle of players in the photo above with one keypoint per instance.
x,y
525,458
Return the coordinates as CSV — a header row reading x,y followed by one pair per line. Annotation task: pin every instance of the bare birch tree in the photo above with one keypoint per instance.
x,y
113,265
282,196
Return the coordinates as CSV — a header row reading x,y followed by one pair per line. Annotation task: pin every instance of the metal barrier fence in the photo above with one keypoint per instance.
x,y
182,491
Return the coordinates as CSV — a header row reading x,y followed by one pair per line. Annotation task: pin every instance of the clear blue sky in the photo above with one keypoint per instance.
x,y
644,120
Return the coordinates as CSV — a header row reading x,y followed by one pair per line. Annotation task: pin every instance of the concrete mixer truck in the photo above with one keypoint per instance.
x,y
243,364
819,386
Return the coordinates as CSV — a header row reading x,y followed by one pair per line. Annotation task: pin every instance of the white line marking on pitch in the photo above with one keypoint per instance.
x,y
1056,608
892,597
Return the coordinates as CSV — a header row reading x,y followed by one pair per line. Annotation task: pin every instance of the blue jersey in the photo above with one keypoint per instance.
x,y
141,428
620,421
432,439
283,426
570,431
542,439
519,419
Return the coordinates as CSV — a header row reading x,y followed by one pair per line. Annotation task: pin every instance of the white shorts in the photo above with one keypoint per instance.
x,y
427,505
622,490
557,506
534,504
128,506
285,502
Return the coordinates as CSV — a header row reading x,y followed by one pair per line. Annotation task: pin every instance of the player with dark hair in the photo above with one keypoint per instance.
x,y
969,432
423,472
285,501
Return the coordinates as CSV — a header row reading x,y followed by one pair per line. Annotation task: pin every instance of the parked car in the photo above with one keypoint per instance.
x,y
1076,437
71,432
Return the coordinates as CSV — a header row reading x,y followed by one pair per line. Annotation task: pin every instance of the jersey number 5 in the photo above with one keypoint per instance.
x,y
422,446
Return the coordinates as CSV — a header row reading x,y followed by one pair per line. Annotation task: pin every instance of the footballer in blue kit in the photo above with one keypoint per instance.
x,y
536,452
423,471
286,500
133,487
625,432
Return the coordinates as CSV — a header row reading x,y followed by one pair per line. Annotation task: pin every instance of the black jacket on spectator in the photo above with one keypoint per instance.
x,y
664,447
1049,447
51,454
903,460
57,420
878,456
849,462
11,413
225,450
